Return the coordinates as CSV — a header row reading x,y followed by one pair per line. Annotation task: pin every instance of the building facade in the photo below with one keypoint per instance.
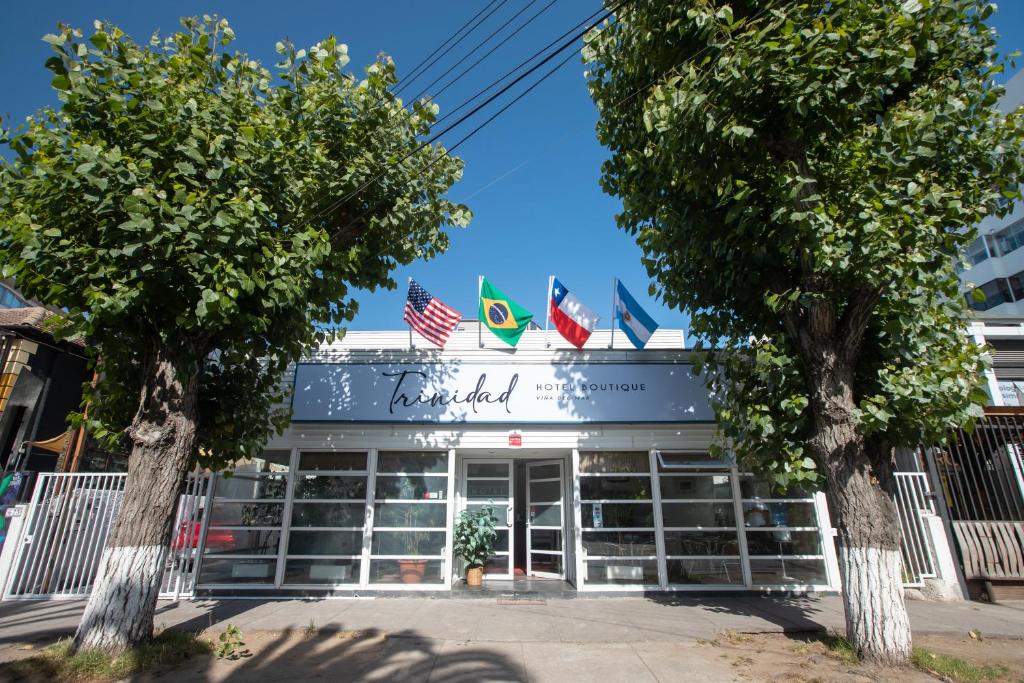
x,y
994,262
595,462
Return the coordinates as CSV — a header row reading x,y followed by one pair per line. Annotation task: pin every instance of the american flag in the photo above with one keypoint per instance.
x,y
428,316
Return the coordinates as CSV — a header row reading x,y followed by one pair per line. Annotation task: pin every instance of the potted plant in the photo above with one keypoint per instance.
x,y
474,541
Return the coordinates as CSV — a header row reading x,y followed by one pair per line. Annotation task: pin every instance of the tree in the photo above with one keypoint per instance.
x,y
195,214
801,177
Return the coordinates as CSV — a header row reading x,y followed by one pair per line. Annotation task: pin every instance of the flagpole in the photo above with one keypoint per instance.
x,y
411,345
480,322
547,309
615,292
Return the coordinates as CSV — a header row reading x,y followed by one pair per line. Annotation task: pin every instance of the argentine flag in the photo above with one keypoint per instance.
x,y
633,320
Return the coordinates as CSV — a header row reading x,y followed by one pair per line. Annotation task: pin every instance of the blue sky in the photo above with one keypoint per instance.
x,y
531,176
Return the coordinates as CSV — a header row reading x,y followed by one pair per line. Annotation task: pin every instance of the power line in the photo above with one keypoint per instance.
x,y
625,99
482,43
448,40
568,44
532,57
408,80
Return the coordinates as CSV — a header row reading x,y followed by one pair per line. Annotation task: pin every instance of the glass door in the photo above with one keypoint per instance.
x,y
545,552
489,482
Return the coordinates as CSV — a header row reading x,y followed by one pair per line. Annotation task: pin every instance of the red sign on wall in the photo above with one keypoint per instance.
x,y
515,440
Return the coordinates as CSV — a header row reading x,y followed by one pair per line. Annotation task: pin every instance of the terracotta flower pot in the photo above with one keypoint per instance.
x,y
474,576
412,571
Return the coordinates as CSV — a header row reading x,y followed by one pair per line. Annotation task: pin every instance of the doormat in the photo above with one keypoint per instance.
x,y
519,599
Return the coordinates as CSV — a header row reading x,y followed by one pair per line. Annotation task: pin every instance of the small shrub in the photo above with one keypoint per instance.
x,y
311,630
231,644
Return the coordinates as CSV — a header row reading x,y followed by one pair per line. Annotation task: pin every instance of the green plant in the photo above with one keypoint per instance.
x,y
59,663
955,669
475,535
832,191
231,644
204,221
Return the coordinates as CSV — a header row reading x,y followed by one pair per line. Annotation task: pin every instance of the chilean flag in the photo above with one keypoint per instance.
x,y
572,319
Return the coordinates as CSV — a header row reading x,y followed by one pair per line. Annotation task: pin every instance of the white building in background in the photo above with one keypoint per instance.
x,y
996,257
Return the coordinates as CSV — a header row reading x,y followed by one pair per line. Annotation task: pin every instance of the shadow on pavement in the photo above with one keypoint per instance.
x,y
792,614
355,656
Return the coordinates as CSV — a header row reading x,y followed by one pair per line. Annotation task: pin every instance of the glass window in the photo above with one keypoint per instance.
x,y
317,542
328,519
1017,285
618,537
619,543
615,488
598,462
328,514
621,572
411,543
674,461
411,487
230,571
407,571
783,542
546,515
698,514
478,469
615,515
783,539
246,514
413,461
330,460
251,487
545,491
697,543
782,571
1010,238
760,514
705,571
330,487
321,571
242,542
996,292
411,516
695,486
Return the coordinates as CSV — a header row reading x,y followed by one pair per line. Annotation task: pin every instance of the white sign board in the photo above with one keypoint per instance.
x,y
1011,392
502,393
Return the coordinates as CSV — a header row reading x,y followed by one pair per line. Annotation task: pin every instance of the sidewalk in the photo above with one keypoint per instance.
x,y
614,638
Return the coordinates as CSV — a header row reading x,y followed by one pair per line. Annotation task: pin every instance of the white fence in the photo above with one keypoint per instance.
x,y
66,528
914,503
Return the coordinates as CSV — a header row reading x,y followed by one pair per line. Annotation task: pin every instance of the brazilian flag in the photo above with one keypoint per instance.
x,y
504,317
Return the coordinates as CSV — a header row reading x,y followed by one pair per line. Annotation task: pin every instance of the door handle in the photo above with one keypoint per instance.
x,y
509,516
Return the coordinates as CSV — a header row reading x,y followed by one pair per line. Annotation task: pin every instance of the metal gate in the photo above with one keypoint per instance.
x,y
981,475
66,528
914,503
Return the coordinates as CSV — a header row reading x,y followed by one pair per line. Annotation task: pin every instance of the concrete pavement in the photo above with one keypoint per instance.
x,y
439,639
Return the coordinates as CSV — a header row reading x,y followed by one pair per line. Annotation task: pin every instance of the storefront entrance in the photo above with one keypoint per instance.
x,y
529,495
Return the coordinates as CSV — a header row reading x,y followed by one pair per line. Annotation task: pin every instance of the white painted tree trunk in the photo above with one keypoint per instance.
x,y
876,615
119,614
123,602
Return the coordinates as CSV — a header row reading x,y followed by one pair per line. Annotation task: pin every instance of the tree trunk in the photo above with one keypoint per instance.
x,y
860,490
119,614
